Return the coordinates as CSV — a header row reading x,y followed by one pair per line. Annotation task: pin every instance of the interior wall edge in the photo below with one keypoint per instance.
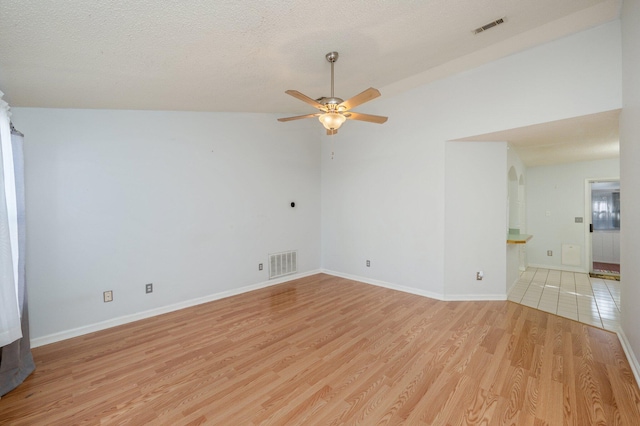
x,y
631,357
418,292
513,284
391,286
557,268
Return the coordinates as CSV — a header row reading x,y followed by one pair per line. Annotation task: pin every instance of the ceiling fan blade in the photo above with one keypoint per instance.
x,y
305,98
332,132
365,117
298,117
360,98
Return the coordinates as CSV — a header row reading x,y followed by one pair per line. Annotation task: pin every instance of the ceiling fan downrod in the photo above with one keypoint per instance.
x,y
332,57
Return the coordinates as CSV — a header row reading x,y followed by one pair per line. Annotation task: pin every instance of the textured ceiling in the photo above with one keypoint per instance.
x,y
240,56
230,55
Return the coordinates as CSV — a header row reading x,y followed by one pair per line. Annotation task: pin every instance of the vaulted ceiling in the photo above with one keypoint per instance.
x,y
240,56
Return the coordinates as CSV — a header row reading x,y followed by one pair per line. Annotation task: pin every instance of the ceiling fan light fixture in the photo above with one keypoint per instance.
x,y
332,120
335,111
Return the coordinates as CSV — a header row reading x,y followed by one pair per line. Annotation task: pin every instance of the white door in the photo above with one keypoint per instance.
x,y
604,226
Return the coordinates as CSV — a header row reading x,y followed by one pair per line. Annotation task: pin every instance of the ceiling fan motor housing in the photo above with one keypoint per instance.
x,y
330,101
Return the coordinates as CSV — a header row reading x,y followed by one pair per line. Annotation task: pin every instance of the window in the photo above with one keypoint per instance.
x,y
605,208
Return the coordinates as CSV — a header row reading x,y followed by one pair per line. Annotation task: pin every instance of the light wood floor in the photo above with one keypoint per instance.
x,y
325,350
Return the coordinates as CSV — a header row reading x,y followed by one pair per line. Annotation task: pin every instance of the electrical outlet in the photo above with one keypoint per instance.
x,y
259,266
148,288
549,253
108,296
368,263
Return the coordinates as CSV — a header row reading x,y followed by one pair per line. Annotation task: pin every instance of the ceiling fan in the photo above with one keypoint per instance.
x,y
335,111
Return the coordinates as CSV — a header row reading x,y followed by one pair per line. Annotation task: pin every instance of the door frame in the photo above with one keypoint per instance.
x,y
588,253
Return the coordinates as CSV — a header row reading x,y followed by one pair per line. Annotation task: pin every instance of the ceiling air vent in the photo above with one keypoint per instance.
x,y
489,25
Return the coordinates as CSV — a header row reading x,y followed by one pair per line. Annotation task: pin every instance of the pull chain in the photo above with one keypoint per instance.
x,y
332,146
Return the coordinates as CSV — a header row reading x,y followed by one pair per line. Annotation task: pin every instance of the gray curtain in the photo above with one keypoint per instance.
x,y
16,362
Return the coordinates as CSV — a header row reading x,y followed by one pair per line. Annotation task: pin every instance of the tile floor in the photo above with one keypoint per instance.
x,y
571,295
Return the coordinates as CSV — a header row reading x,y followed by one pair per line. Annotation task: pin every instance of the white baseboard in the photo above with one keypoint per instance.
x,y
80,331
474,297
418,292
559,268
631,357
633,361
385,284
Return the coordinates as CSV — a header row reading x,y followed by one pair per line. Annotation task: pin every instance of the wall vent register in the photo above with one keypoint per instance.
x,y
284,263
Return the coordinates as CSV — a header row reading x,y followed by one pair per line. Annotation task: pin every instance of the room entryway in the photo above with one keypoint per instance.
x,y
572,295
604,228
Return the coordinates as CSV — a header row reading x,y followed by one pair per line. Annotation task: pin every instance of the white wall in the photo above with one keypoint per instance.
x,y
190,202
475,197
371,209
629,178
384,193
560,190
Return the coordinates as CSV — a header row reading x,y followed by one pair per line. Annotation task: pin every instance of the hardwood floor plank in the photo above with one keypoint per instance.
x,y
326,350
569,392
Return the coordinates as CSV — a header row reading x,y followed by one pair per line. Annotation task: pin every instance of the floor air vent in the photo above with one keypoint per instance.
x,y
284,263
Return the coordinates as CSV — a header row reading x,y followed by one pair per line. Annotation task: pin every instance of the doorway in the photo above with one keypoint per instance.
x,y
604,226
